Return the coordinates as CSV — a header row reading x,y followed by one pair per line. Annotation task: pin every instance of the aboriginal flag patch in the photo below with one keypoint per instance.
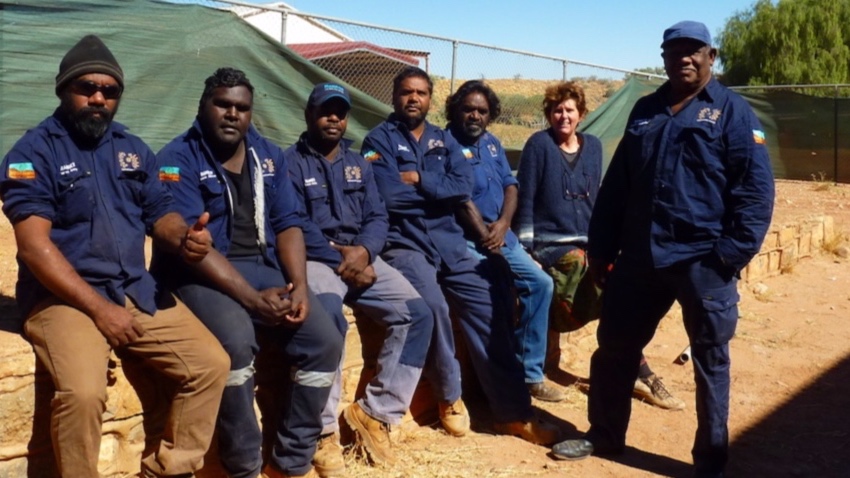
x,y
467,153
21,171
372,155
758,136
169,174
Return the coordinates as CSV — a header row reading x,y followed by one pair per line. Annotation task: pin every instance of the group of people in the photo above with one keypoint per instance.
x,y
256,247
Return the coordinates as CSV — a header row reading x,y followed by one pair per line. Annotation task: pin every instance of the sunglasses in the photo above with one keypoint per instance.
x,y
89,88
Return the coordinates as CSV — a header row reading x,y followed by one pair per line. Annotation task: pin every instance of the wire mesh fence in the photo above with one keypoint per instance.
x,y
368,56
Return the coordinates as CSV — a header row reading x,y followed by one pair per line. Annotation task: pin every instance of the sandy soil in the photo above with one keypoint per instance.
x,y
791,371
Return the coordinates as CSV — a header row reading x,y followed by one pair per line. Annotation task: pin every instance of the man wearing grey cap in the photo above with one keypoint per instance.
x,y
683,207
253,293
338,188
81,192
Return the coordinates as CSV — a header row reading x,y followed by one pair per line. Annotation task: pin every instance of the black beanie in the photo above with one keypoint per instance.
x,y
89,55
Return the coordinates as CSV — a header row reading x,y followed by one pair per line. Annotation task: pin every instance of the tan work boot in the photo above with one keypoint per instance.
x,y
454,417
652,390
373,434
328,461
271,471
533,431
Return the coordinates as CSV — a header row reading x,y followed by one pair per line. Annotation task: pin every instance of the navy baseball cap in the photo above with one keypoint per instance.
x,y
689,30
328,91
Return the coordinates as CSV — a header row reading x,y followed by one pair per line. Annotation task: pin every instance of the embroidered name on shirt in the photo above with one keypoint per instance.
x,y
372,155
467,153
710,115
310,182
404,148
128,161
169,174
207,174
758,136
353,174
66,169
21,171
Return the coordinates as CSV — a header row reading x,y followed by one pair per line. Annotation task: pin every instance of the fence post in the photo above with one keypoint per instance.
x,y
283,17
565,69
454,66
835,138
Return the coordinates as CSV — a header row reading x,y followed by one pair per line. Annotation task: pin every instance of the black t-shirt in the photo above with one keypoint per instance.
x,y
244,240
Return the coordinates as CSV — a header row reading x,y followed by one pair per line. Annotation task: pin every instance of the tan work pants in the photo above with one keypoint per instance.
x,y
75,353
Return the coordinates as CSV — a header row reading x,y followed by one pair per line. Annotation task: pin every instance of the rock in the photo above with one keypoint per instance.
x,y
759,288
842,251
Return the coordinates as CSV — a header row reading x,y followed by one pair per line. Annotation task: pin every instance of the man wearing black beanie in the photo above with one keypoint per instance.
x,y
81,193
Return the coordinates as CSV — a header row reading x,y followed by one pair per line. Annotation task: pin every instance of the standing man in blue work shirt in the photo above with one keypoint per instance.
x,y
81,192
424,178
494,197
338,188
684,206
258,285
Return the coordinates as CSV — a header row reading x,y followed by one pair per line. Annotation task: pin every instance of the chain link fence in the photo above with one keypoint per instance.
x,y
368,56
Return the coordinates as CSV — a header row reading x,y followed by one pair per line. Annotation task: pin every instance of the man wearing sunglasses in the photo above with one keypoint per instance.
x,y
254,294
685,204
81,192
338,188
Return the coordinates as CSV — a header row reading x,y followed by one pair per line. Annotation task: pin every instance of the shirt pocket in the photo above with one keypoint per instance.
x,y
355,194
435,159
132,185
701,147
318,204
76,201
214,197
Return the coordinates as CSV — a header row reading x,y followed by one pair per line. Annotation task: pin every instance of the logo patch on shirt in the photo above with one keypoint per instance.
x,y
710,115
207,174
66,169
758,136
310,182
404,148
435,143
467,153
493,151
169,174
372,155
268,167
353,174
21,171
129,161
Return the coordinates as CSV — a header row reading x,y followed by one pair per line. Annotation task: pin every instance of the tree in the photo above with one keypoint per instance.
x,y
790,42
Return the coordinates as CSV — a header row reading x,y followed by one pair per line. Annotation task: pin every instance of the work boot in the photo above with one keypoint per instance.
x,y
545,392
652,390
328,461
533,430
373,434
271,471
454,417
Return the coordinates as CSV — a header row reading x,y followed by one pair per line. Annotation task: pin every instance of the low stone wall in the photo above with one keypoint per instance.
x,y
134,394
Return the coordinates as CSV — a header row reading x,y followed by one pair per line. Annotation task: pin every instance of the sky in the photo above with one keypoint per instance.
x,y
618,33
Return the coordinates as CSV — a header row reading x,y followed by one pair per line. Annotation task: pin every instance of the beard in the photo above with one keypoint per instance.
x,y
473,131
89,126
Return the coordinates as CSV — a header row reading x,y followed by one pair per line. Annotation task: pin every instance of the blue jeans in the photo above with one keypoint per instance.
x,y
483,324
534,288
635,300
312,350
392,302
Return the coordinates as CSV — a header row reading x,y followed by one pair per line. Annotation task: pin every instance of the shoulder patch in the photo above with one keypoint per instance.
x,y
758,136
169,174
371,155
21,171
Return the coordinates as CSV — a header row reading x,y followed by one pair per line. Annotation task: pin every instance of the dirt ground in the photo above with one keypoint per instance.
x,y
791,379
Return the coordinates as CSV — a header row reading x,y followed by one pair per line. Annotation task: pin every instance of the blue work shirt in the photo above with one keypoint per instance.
x,y
686,185
421,216
101,203
197,181
491,176
341,198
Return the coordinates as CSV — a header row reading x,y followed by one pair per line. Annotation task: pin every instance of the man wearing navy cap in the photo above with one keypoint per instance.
x,y
338,188
81,193
683,207
255,282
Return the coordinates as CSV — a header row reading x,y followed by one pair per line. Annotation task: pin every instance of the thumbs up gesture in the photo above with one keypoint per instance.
x,y
197,241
